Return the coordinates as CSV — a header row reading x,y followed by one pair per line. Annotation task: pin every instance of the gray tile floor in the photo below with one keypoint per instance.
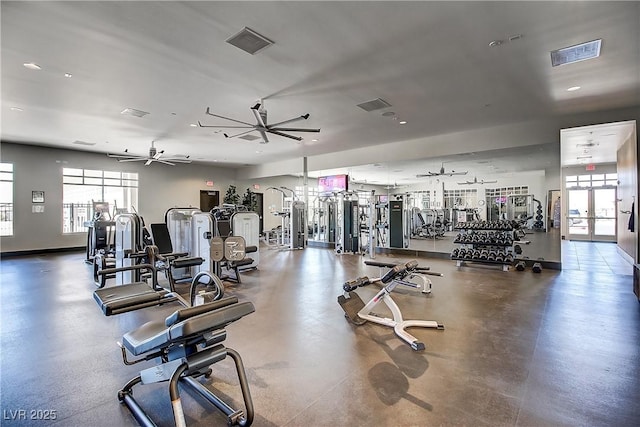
x,y
560,348
602,257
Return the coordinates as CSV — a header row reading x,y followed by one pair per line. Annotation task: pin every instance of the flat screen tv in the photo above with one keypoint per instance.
x,y
333,183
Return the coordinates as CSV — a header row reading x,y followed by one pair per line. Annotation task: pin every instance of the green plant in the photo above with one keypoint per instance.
x,y
249,200
232,197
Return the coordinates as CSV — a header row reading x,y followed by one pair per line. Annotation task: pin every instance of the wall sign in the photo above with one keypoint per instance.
x,y
37,197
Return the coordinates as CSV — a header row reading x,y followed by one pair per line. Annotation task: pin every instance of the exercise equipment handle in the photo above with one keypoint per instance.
x,y
428,273
353,284
380,264
409,265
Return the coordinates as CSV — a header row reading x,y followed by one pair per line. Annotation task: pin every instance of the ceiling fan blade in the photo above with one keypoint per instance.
x,y
165,162
158,155
294,129
226,118
121,156
258,117
295,119
275,132
176,160
132,159
200,125
241,133
149,161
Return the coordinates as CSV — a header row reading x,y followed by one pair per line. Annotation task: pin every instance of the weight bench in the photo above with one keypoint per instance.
x,y
134,296
185,345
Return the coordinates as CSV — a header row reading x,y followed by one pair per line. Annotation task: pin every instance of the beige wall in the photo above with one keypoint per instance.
x,y
40,168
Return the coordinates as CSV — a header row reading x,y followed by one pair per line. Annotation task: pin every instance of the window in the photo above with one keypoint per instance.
x,y
83,187
460,199
496,199
6,199
588,181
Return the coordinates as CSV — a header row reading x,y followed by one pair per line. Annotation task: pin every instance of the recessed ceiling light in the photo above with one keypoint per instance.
x,y
495,43
314,140
388,114
68,75
18,109
515,37
193,125
403,122
258,151
32,66
573,88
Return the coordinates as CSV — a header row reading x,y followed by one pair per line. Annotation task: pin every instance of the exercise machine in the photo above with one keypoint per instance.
x,y
184,345
291,234
359,313
209,239
347,223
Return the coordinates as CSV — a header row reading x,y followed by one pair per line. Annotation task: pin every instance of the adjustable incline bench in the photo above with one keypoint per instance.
x,y
184,344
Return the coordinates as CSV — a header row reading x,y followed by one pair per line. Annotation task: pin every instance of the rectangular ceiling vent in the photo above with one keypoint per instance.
x,y
376,104
249,137
133,112
249,41
78,142
576,53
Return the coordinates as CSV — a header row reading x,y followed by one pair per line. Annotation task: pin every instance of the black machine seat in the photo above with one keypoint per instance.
x,y
185,325
121,299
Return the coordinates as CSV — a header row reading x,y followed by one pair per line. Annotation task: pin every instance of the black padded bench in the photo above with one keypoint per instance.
x,y
185,324
125,298
185,344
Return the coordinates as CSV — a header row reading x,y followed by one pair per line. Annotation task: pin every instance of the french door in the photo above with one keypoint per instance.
x,y
591,214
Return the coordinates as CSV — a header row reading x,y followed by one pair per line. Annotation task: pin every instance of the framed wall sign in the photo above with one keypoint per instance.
x,y
37,197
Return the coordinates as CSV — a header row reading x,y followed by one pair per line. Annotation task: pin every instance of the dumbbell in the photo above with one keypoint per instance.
x,y
521,265
537,267
517,249
454,253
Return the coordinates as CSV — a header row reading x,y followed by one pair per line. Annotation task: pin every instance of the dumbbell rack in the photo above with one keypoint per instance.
x,y
484,242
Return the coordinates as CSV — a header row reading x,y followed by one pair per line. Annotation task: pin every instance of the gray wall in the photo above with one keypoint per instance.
x,y
40,168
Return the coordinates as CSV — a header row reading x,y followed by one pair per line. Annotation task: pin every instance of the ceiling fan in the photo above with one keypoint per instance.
x,y
395,186
154,156
475,181
261,125
441,172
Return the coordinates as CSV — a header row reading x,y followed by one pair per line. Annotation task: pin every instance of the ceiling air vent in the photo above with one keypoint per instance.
x,y
133,112
576,53
376,104
249,137
249,41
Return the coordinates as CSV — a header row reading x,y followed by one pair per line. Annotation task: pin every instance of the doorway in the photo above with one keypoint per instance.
x,y
591,214
209,199
260,209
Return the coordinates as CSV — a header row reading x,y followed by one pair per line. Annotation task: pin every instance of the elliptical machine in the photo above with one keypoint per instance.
x,y
359,313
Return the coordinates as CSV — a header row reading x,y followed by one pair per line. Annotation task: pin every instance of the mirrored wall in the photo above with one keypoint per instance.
x,y
396,209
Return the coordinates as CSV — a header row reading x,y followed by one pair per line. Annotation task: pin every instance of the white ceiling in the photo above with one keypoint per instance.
x,y
430,60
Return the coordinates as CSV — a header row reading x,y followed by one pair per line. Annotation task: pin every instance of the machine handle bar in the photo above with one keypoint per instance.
x,y
391,265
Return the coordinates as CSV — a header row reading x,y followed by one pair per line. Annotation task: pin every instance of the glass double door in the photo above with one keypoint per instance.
x,y
591,214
